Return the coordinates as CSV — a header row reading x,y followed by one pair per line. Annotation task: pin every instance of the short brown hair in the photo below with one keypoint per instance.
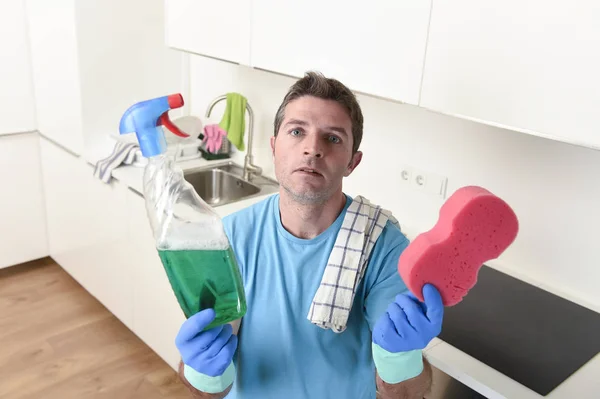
x,y
317,85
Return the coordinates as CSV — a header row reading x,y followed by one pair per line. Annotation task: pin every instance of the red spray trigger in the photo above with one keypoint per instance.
x,y
175,101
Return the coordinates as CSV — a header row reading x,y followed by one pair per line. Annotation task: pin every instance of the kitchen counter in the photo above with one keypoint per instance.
x,y
585,383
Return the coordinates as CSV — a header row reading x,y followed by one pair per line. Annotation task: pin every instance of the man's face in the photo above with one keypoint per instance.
x,y
313,149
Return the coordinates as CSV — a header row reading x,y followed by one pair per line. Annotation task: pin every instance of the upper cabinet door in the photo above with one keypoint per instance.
x,y
122,60
219,29
373,47
528,65
17,105
92,60
55,70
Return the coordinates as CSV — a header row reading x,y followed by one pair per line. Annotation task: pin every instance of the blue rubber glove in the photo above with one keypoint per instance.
x,y
403,331
408,324
207,352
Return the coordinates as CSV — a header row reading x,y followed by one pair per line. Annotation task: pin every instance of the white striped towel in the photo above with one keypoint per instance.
x,y
123,153
347,263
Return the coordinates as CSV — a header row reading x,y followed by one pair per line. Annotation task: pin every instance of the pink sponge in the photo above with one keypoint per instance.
x,y
474,226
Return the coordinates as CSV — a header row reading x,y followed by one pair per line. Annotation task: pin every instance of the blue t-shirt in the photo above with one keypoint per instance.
x,y
281,354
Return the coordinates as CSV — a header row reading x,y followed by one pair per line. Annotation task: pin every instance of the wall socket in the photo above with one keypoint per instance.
x,y
421,180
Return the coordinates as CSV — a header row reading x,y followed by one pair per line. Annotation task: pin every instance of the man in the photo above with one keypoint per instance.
x,y
295,341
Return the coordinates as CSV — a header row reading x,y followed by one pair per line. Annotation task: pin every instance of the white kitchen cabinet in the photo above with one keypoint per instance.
x,y
92,60
107,253
376,48
218,29
55,68
526,65
157,316
23,227
64,186
87,229
122,60
16,102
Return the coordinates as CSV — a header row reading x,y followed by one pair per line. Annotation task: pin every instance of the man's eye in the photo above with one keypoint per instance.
x,y
334,139
295,132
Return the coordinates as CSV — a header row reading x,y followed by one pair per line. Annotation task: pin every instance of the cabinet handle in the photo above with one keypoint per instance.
x,y
135,192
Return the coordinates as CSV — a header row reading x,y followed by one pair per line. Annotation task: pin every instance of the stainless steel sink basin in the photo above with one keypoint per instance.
x,y
222,184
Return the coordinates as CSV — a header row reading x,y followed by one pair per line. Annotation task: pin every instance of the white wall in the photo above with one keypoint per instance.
x,y
552,186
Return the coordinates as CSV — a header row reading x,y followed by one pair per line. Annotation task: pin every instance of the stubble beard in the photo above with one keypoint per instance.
x,y
307,198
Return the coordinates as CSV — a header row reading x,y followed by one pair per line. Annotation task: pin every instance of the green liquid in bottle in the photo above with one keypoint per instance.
x,y
204,279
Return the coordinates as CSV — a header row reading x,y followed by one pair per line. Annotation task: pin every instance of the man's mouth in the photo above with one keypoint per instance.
x,y
309,171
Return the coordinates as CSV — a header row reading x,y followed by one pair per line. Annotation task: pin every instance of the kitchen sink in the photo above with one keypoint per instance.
x,y
222,184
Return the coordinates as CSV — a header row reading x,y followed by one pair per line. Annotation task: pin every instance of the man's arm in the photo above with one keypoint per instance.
x,y
401,325
414,388
196,394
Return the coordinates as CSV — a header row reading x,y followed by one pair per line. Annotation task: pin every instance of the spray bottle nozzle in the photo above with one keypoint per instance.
x,y
144,118
174,101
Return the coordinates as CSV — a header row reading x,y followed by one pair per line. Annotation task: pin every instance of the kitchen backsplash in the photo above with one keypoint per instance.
x,y
552,186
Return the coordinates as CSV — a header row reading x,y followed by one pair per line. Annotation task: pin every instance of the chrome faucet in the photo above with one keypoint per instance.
x,y
249,168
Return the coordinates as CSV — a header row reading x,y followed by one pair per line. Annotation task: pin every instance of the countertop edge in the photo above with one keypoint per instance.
x,y
495,385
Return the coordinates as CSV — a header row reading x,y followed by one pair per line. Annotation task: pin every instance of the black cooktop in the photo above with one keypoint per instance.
x,y
522,331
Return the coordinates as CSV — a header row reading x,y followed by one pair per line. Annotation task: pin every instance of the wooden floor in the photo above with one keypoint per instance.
x,y
57,341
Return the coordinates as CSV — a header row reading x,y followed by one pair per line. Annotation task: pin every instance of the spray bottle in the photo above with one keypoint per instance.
x,y
189,235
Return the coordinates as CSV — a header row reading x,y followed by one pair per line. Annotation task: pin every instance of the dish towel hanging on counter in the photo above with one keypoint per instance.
x,y
123,153
347,263
234,121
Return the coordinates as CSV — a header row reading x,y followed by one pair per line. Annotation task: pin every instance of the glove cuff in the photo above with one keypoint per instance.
x,y
397,367
208,384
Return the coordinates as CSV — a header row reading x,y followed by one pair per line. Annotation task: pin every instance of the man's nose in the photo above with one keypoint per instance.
x,y
313,146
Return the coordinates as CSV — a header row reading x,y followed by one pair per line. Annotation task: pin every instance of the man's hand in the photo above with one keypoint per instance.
x,y
208,352
409,324
399,336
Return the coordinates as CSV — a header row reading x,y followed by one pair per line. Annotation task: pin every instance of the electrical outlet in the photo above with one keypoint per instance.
x,y
424,181
406,174
419,180
432,183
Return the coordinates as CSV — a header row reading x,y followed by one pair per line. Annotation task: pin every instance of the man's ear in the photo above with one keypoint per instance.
x,y
356,158
273,144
